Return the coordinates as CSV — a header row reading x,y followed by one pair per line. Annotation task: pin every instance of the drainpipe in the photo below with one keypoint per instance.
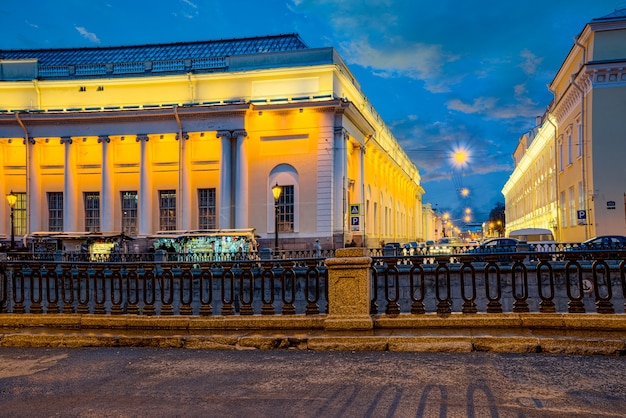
x,y
582,133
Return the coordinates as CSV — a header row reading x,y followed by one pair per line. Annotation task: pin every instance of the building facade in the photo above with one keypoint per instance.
x,y
193,136
569,172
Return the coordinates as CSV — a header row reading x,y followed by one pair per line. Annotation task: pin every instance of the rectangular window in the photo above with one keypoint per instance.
x,y
563,210
560,156
580,139
92,211
572,207
129,213
286,210
206,209
167,210
19,214
55,211
569,148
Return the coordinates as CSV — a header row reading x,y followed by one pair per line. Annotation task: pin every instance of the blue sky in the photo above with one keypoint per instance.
x,y
444,75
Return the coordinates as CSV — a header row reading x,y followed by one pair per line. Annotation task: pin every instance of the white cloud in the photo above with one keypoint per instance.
x,y
530,63
417,60
90,36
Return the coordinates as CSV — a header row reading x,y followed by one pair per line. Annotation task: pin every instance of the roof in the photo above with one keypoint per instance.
x,y
158,52
617,14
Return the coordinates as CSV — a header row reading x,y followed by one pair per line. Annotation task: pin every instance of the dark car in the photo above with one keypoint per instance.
x,y
496,245
602,242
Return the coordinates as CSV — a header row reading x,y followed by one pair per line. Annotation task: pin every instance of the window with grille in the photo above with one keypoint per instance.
x,y
129,213
92,211
19,214
167,210
286,210
206,209
55,211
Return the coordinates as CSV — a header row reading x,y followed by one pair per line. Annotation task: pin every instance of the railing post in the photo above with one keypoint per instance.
x,y
349,290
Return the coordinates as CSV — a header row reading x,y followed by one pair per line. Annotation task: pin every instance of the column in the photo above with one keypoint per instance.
x,y
339,184
33,189
183,199
107,214
241,180
226,183
70,216
144,195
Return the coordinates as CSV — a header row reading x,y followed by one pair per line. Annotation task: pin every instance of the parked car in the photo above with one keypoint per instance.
x,y
602,242
496,245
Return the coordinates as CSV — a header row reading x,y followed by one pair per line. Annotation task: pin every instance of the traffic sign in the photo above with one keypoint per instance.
x,y
355,223
582,217
355,209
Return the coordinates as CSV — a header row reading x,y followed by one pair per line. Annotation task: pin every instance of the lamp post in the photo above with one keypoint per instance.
x,y
12,198
276,191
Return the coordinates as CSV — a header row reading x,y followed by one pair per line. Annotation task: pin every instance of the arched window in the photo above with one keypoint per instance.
x,y
286,176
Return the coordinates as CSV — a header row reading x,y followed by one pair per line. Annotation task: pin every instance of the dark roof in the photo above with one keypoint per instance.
x,y
618,14
158,52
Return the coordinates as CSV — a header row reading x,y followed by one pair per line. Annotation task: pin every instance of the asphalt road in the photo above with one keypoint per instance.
x,y
145,382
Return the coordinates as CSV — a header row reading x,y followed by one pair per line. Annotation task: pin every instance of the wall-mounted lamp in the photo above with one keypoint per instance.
x,y
276,192
12,199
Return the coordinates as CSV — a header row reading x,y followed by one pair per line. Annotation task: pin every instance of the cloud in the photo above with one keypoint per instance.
x,y
414,60
90,36
531,62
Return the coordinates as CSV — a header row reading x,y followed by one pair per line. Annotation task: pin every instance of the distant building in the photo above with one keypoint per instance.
x,y
569,171
193,136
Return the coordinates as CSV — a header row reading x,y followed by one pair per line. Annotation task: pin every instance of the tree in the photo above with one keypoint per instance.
x,y
497,219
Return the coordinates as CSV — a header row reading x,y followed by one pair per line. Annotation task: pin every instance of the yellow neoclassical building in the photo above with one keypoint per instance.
x,y
193,136
569,171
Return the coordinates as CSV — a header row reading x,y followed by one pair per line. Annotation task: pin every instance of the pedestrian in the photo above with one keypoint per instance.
x,y
318,248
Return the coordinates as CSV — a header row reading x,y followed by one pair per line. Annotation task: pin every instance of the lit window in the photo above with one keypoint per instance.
x,y
19,214
286,209
92,211
167,210
206,208
55,211
129,213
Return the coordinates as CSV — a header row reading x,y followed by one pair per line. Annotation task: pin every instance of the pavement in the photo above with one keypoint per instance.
x,y
588,334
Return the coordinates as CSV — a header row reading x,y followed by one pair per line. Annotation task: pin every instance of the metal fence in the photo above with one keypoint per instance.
x,y
544,282
168,288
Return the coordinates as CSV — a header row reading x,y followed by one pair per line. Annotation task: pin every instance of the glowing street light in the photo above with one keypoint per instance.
x,y
276,191
12,199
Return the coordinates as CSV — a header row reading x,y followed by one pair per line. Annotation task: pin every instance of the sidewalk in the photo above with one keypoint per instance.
x,y
603,335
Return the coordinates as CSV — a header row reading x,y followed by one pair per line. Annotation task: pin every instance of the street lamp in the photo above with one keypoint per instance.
x,y
12,199
276,191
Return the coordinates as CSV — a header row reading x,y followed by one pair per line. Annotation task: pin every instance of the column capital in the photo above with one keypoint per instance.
x,y
224,134
66,140
103,138
142,137
239,132
343,132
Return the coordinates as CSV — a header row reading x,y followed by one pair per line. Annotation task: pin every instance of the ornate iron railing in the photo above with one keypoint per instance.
x,y
546,282
181,288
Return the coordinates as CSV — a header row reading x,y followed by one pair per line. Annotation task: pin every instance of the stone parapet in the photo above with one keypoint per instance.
x,y
349,290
